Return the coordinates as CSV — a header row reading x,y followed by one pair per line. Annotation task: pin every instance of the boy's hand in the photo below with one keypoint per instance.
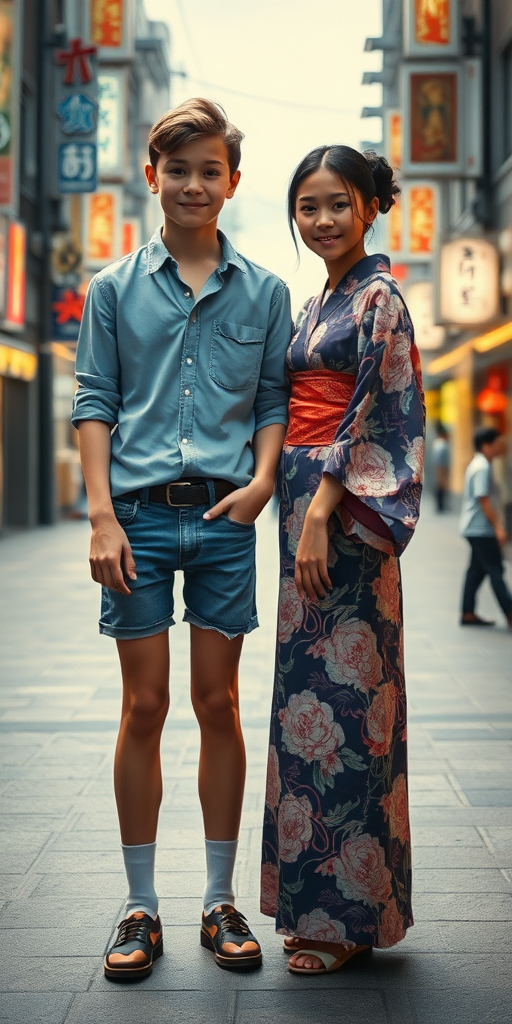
x,y
243,505
110,554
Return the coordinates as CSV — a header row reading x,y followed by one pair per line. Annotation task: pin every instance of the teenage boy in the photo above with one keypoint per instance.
x,y
482,526
181,408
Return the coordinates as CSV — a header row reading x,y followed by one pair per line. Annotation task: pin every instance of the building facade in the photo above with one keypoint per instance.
x,y
447,129
80,86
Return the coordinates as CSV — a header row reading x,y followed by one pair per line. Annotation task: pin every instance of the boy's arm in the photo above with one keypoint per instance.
x,y
271,417
494,519
246,503
110,549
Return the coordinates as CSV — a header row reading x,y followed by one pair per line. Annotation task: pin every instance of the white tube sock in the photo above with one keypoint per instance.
x,y
220,864
139,863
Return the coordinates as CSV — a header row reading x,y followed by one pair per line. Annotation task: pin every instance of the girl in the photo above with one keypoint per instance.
x,y
336,852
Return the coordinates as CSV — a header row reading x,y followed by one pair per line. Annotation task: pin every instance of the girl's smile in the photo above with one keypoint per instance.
x,y
332,222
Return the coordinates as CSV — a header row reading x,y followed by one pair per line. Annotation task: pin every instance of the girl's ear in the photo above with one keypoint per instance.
x,y
372,210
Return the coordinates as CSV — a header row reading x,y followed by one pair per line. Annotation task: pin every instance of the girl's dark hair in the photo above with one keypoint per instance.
x,y
370,174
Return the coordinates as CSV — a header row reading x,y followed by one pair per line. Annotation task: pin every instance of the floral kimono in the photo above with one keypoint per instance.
x,y
336,845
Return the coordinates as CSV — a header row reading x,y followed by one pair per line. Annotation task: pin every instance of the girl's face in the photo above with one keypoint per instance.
x,y
330,221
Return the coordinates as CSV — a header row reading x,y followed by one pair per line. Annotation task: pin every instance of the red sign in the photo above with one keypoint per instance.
x,y
15,306
76,58
421,219
432,21
107,22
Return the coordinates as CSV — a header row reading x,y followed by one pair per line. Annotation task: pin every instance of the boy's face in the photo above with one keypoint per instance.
x,y
193,182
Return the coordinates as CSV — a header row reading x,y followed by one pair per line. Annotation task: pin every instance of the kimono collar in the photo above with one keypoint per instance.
x,y
367,267
358,273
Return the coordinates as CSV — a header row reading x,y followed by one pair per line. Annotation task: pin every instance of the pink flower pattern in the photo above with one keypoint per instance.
x,y
336,847
294,827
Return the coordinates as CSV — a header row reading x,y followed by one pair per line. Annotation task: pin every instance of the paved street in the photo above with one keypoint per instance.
x,y
62,883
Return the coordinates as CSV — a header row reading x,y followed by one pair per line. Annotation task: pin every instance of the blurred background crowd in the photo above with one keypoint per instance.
x,y
428,83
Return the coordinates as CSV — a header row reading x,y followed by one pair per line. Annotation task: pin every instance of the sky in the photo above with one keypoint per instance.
x,y
288,73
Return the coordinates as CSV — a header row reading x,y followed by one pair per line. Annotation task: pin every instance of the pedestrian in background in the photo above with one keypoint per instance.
x,y
481,524
336,872
441,457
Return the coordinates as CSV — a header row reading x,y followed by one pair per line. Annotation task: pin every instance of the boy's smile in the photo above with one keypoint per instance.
x,y
193,182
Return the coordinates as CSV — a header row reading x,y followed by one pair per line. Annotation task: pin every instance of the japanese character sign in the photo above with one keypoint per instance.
x,y
76,92
469,273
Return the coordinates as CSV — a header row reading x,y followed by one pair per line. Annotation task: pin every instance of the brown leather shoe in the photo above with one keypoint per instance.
x,y
139,942
226,933
470,619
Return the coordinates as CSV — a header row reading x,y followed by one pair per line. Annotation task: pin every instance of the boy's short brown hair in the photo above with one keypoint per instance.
x,y
194,119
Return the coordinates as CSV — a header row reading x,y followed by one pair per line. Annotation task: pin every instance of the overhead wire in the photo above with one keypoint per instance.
x,y
274,100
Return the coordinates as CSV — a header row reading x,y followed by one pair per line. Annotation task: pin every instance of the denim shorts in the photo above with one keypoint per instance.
x,y
217,557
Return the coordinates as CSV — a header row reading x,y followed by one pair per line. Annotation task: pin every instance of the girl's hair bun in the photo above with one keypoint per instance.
x,y
386,187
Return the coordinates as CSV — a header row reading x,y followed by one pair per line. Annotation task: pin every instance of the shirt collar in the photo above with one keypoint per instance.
x,y
157,253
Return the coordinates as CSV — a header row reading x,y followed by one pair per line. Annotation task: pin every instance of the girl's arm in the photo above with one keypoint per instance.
x,y
311,574
110,549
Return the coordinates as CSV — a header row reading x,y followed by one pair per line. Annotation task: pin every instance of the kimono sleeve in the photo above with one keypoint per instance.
x,y
97,360
378,450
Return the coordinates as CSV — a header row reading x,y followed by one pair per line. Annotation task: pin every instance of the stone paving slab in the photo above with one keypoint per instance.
x,y
62,883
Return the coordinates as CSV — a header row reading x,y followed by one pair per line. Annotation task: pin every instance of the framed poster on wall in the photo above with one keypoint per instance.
x,y
433,112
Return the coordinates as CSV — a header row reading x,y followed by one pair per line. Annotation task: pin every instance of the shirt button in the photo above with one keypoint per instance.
x,y
187,295
184,440
187,392
189,360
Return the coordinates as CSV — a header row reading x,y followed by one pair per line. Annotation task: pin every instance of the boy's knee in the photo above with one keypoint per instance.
x,y
146,711
216,708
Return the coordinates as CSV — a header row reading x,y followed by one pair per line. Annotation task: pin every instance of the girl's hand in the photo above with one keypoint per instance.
x,y
311,575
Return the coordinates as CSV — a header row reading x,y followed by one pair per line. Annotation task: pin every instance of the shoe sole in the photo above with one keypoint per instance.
x,y
246,963
134,973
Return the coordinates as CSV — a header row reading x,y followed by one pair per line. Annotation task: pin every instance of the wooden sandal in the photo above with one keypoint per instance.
x,y
331,963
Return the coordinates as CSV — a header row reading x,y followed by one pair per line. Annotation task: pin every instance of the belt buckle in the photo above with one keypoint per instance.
x,y
177,504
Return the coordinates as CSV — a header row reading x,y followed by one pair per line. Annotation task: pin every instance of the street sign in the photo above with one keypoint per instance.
x,y
77,171
76,107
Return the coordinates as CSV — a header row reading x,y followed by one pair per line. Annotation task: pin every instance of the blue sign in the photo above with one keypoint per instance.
x,y
67,308
77,167
77,114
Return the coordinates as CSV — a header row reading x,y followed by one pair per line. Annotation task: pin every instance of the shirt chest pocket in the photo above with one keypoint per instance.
x,y
235,355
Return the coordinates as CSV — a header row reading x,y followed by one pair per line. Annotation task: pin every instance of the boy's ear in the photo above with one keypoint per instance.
x,y
233,182
151,178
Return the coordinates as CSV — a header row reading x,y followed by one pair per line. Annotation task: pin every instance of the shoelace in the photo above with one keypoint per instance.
x,y
234,922
130,930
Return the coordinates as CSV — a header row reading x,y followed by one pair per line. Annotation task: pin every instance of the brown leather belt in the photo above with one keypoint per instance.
x,y
182,493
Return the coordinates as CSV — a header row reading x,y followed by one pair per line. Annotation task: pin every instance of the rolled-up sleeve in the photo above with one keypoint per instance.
x,y
271,405
97,361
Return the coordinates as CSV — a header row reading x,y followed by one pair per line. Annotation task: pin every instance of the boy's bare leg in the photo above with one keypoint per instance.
x,y
214,679
214,674
137,769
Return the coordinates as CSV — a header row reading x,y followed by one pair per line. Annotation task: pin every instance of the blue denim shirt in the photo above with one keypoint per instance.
x,y
185,381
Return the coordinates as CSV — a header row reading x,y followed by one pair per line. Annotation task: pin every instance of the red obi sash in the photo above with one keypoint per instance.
x,y
318,403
